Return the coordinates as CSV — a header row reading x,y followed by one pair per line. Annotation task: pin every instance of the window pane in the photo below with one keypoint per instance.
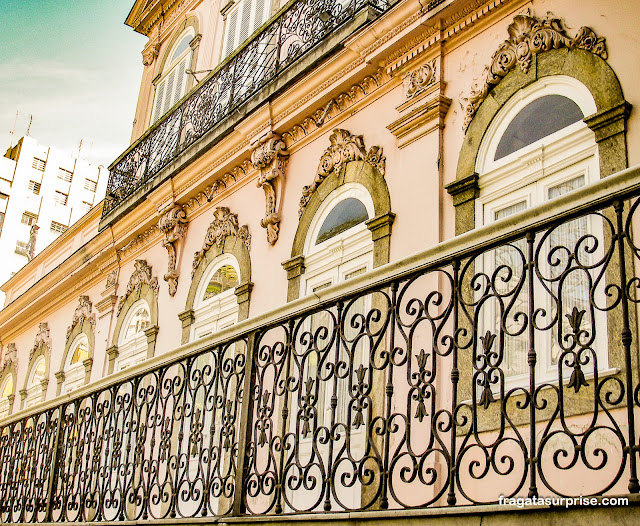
x,y
538,119
182,46
139,322
8,387
346,214
81,352
224,278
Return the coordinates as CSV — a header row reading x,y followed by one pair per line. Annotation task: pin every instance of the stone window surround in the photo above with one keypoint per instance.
x,y
234,246
86,328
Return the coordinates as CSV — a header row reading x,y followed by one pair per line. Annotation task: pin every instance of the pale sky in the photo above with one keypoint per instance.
x,y
76,68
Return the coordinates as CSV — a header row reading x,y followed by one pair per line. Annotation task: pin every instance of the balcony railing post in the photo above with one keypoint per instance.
x,y
627,338
384,497
531,359
455,377
55,465
245,428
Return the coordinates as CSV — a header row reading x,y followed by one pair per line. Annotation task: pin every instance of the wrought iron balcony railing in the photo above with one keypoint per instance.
x,y
298,29
503,362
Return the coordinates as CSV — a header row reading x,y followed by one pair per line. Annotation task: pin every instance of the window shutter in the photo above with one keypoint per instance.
x,y
157,112
245,24
180,80
232,23
260,15
171,80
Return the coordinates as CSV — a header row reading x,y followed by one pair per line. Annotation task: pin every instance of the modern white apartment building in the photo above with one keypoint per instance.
x,y
43,190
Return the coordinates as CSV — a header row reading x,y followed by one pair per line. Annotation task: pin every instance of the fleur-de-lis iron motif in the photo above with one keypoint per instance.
x,y
486,397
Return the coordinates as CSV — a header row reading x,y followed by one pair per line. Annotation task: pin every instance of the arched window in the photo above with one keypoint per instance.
x,y
536,149
35,390
172,85
6,390
241,21
74,369
338,247
132,343
216,305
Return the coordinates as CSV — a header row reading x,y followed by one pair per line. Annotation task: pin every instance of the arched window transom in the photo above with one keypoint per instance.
x,y
346,214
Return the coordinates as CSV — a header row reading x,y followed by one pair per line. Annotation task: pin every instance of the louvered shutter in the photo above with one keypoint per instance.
x,y
181,80
232,23
157,111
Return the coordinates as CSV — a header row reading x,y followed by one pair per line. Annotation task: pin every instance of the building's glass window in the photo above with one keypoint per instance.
x,y
242,21
38,164
216,305
35,393
173,84
90,185
28,218
34,187
58,228
22,248
86,206
132,343
61,198
346,214
537,149
74,370
5,392
65,175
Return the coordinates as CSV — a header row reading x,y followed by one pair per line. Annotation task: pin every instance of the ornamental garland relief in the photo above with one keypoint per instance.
x,y
42,341
141,276
344,148
224,224
173,224
10,360
82,312
528,36
270,157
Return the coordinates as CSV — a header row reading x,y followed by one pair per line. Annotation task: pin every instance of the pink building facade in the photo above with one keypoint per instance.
x,y
359,256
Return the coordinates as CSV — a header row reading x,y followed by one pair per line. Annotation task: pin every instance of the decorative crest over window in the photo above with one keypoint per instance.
x,y
528,36
141,276
344,148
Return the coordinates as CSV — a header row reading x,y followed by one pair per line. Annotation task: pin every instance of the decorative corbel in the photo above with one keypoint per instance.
x,y
150,53
173,223
270,157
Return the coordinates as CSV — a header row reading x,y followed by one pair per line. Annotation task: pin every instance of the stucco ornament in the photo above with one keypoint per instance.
x,y
141,276
224,224
173,224
150,53
10,359
82,313
344,148
528,36
418,80
270,157
42,341
112,280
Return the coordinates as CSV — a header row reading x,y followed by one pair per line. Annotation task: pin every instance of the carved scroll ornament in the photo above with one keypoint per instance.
x,y
418,80
141,276
528,36
344,148
82,312
270,157
224,224
173,224
42,340
10,359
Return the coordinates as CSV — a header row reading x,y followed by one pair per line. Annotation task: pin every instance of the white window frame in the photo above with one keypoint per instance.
x,y
164,100
219,311
241,22
35,393
527,175
329,263
5,404
74,374
132,350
